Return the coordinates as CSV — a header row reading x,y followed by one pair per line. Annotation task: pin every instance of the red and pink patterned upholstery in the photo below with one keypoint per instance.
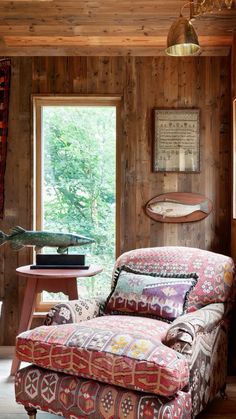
x,y
78,398
202,338
73,311
129,367
215,271
120,350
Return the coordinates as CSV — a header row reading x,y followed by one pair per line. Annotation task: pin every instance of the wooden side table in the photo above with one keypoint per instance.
x,y
52,280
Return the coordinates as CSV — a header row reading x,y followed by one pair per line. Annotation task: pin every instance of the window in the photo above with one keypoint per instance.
x,y
75,179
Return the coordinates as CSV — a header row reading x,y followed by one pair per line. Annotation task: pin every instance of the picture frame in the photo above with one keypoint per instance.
x,y
176,140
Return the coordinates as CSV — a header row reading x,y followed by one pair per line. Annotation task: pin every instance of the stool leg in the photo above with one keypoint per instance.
x,y
26,315
72,290
31,411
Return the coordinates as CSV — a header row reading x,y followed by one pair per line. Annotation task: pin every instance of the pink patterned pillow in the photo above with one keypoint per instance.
x,y
158,295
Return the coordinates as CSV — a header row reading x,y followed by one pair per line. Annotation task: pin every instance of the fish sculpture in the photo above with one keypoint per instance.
x,y
171,208
20,238
178,207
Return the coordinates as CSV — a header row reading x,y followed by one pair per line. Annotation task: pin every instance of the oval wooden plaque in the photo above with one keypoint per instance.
x,y
178,207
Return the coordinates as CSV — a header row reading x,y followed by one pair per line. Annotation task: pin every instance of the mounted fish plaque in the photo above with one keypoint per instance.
x,y
175,207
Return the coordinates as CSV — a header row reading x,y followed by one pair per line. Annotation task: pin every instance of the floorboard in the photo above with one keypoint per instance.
x,y
224,409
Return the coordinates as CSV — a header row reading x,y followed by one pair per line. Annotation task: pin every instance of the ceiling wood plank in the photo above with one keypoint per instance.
x,y
154,41
123,25
148,51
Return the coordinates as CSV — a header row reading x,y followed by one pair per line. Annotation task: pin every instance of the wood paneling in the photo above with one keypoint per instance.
x,y
144,83
18,188
233,170
233,96
103,27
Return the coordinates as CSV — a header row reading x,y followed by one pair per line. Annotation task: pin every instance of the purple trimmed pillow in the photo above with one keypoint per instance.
x,y
164,296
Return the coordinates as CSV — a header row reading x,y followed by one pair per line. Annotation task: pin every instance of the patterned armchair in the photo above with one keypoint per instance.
x,y
157,349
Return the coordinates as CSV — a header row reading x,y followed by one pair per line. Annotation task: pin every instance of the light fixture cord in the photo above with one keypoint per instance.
x,y
191,8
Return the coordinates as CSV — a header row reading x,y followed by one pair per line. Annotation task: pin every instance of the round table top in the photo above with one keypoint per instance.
x,y
59,273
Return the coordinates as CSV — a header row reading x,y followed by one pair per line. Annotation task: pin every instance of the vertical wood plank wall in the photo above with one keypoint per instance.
x,y
233,220
233,96
143,83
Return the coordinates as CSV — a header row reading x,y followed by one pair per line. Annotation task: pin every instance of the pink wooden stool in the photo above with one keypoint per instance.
x,y
52,280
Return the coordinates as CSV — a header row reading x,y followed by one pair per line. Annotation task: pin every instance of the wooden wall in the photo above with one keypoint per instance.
x,y
233,220
233,97
143,83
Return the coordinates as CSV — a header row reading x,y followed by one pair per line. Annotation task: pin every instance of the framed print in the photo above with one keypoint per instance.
x,y
176,140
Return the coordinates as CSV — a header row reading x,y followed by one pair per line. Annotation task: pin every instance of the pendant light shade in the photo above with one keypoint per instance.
x,y
182,39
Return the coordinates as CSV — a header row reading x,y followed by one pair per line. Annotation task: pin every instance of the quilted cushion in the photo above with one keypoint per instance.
x,y
215,271
121,350
150,294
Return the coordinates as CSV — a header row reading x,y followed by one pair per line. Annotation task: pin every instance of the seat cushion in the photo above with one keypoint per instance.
x,y
121,350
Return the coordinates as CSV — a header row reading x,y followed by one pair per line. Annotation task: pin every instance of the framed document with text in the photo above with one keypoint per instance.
x,y
176,140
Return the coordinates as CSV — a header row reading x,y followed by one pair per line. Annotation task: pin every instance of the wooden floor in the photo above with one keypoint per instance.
x,y
225,409
9,409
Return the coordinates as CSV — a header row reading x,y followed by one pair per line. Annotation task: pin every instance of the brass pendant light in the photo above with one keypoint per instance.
x,y
182,39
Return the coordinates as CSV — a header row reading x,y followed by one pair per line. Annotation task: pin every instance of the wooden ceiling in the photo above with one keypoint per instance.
x,y
104,27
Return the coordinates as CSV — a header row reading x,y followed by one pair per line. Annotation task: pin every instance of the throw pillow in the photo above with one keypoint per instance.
x,y
160,295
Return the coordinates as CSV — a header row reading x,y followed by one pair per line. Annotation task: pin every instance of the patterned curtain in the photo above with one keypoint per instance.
x,y
5,73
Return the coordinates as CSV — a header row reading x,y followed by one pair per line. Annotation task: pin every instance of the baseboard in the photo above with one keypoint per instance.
x,y
7,352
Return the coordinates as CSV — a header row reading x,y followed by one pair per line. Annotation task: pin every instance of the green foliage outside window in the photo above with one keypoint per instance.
x,y
79,182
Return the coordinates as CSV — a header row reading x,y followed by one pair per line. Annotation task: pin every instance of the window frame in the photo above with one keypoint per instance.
x,y
40,101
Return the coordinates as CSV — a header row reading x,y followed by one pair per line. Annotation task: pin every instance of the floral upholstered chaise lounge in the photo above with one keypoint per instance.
x,y
156,349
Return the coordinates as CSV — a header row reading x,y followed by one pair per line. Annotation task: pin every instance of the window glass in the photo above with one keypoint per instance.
x,y
78,185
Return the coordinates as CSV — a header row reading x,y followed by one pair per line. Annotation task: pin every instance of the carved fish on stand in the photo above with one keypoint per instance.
x,y
177,207
20,238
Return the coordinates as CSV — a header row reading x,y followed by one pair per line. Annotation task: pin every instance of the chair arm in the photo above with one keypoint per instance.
x,y
184,331
73,311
